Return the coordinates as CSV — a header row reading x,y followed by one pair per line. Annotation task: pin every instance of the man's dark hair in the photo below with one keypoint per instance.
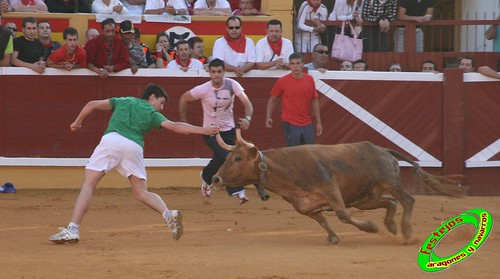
x,y
274,22
430,62
233,18
360,61
466,57
193,40
315,48
43,21
154,89
70,31
29,19
106,22
181,42
296,55
217,63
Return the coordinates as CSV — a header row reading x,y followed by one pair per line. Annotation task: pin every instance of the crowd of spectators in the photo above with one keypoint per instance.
x,y
106,52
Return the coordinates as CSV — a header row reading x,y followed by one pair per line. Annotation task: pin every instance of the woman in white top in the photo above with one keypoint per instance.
x,y
108,7
347,10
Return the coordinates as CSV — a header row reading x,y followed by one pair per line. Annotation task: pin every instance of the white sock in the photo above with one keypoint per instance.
x,y
73,227
166,214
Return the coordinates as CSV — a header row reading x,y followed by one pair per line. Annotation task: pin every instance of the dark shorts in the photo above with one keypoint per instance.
x,y
298,135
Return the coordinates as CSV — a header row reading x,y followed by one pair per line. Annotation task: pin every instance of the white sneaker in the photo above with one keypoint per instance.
x,y
206,190
64,236
242,197
174,223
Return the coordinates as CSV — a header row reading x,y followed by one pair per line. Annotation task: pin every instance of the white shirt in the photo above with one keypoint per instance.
x,y
194,65
219,4
98,7
342,11
223,51
160,4
133,9
264,52
218,103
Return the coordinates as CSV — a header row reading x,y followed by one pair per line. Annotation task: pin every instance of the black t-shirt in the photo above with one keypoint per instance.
x,y
413,8
29,51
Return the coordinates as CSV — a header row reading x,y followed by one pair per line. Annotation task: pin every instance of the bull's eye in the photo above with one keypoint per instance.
x,y
237,158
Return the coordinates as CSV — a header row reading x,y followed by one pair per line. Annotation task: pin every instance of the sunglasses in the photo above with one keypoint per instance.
x,y
12,29
322,51
234,27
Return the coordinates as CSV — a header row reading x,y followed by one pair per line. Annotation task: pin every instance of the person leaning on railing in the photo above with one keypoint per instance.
x,y
32,6
381,12
413,10
492,34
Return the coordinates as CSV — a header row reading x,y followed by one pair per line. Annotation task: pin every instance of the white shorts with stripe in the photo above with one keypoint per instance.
x,y
117,152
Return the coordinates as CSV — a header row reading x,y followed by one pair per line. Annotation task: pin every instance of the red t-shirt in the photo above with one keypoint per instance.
x,y
296,96
61,55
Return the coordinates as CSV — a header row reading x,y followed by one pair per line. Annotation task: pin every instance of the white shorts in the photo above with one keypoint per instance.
x,y
116,151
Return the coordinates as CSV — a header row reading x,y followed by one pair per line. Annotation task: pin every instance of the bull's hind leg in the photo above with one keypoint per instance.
x,y
388,203
407,202
321,219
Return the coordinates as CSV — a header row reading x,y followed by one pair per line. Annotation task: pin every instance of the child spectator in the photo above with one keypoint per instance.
x,y
246,8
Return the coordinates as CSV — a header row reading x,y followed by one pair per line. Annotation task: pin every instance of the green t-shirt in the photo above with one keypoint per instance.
x,y
133,118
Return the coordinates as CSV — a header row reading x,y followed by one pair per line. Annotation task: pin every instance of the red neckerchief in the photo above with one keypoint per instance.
x,y
275,46
238,44
28,2
314,9
47,45
178,60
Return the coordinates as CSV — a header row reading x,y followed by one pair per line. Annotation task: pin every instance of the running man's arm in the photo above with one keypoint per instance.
x,y
185,128
183,103
245,122
87,109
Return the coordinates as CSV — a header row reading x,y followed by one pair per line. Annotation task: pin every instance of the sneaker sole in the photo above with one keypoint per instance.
x,y
61,241
179,227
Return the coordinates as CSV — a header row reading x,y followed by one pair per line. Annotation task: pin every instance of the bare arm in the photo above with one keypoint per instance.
x,y
5,62
185,128
245,123
489,72
271,104
87,109
317,115
38,67
213,12
183,103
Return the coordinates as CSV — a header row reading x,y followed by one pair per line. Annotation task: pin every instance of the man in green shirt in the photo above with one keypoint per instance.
x,y
6,45
121,148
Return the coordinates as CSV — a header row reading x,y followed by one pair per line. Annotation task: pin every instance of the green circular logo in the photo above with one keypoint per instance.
x,y
479,218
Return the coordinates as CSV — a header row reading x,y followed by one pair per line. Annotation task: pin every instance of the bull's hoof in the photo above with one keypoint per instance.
x,y
370,227
391,227
333,239
265,198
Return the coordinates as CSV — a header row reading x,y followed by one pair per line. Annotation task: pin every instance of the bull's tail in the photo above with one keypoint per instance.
x,y
442,184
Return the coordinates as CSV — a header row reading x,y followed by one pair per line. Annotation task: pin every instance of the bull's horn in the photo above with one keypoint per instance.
x,y
223,144
240,139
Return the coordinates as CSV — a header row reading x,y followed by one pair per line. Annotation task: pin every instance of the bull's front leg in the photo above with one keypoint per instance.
x,y
321,219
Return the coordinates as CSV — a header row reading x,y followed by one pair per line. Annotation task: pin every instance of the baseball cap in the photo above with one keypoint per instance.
x,y
126,26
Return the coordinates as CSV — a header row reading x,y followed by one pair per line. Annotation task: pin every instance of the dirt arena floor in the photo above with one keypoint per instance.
x,y
121,238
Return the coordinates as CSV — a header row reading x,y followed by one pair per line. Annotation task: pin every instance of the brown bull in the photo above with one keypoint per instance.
x,y
316,178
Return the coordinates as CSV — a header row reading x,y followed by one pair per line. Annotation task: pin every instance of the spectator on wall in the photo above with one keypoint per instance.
x,y
307,36
428,66
235,49
31,6
466,63
108,7
6,45
273,50
171,7
320,58
44,35
381,12
28,50
246,8
212,8
68,6
70,56
413,10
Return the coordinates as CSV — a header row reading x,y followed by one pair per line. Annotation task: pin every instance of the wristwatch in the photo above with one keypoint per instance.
x,y
248,117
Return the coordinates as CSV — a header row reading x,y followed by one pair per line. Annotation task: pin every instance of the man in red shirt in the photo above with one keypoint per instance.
x,y
300,104
106,53
70,56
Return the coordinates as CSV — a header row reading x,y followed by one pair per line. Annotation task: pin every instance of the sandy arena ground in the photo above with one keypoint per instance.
x,y
121,238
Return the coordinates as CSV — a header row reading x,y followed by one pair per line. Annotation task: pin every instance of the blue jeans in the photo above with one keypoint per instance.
x,y
219,157
298,135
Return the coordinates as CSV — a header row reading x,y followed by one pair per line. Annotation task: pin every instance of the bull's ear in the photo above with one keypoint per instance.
x,y
252,152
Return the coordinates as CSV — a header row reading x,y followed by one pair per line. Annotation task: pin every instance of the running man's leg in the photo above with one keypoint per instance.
x,y
141,193
90,180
